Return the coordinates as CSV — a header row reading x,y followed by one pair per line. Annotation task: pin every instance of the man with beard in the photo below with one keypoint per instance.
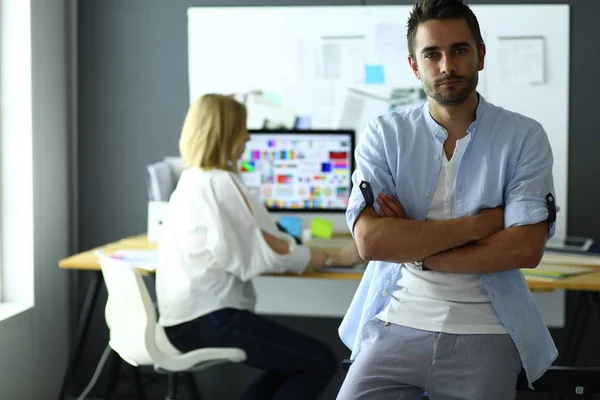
x,y
450,199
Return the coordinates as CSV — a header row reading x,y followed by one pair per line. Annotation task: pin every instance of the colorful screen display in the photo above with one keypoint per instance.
x,y
299,170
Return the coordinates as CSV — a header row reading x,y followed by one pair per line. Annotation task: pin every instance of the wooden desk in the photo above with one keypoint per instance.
x,y
87,261
587,284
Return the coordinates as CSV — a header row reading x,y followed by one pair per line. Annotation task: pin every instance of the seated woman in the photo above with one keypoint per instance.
x,y
217,237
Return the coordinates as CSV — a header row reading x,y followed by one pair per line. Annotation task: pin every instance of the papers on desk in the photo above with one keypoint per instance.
x,y
333,243
142,259
534,278
355,269
578,259
552,272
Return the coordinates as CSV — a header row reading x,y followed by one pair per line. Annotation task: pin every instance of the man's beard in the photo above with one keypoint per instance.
x,y
453,97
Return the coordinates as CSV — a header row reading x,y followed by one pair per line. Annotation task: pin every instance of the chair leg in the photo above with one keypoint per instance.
x,y
113,371
137,381
172,389
194,392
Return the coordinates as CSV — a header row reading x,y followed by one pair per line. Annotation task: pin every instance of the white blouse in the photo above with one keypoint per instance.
x,y
212,246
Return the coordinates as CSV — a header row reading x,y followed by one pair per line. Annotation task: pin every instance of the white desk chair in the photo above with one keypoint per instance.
x,y
162,177
135,335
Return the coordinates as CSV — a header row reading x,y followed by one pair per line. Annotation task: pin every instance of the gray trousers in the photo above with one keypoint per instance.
x,y
400,363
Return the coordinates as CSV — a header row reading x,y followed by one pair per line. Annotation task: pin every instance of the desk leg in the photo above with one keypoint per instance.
x,y
91,297
576,328
114,368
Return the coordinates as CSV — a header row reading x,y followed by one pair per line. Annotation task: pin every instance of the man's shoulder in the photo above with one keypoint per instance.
x,y
512,120
398,119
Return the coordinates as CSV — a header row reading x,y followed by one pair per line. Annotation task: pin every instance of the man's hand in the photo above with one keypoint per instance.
x,y
487,222
510,248
490,221
389,206
391,236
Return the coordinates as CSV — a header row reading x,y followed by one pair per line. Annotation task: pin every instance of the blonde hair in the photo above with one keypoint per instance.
x,y
213,132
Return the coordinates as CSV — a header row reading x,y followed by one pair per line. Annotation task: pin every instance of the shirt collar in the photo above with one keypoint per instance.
x,y
440,132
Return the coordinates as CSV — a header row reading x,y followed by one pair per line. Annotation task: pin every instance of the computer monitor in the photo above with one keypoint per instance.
x,y
299,170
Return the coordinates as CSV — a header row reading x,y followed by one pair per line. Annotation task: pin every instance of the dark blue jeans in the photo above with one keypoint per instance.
x,y
296,366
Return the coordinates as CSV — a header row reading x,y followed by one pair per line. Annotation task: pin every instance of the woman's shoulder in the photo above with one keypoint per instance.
x,y
195,174
215,180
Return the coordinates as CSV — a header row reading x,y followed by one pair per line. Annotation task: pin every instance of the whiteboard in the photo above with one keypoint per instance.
x,y
339,66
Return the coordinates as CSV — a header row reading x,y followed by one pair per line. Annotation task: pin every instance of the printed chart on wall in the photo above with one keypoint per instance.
x,y
298,69
337,67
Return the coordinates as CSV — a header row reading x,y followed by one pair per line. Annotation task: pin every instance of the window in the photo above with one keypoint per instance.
x,y
16,158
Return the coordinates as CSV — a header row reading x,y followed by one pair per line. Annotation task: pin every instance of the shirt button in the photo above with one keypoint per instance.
x,y
437,157
384,293
428,195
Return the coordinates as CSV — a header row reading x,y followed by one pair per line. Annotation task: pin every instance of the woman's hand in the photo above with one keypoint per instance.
x,y
345,257
317,260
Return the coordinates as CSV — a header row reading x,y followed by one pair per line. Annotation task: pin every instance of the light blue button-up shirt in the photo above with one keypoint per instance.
x,y
508,161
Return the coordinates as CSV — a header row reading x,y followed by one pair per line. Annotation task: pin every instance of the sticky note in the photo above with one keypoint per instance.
x,y
293,225
374,74
321,228
271,97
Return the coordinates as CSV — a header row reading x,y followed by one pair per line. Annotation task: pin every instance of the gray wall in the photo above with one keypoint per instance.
x,y
35,343
134,94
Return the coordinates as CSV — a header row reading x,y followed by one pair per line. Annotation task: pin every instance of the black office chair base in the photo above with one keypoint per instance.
x,y
172,390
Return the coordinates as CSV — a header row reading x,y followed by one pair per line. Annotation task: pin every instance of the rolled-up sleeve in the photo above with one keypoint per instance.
x,y
371,166
525,202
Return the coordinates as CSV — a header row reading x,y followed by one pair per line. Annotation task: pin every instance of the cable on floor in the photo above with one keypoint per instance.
x,y
94,379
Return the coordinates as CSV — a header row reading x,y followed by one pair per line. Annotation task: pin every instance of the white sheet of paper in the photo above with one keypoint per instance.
x,y
388,47
343,58
589,259
535,278
143,259
262,113
311,98
564,269
522,60
351,112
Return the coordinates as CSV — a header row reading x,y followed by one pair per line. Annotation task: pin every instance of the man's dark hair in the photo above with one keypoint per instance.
x,y
424,10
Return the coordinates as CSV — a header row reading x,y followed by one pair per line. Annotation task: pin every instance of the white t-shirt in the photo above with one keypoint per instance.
x,y
442,301
212,246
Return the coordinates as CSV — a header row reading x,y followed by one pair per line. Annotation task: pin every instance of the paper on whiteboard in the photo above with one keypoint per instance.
x,y
352,110
359,107
312,99
265,114
388,47
343,58
305,59
522,60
